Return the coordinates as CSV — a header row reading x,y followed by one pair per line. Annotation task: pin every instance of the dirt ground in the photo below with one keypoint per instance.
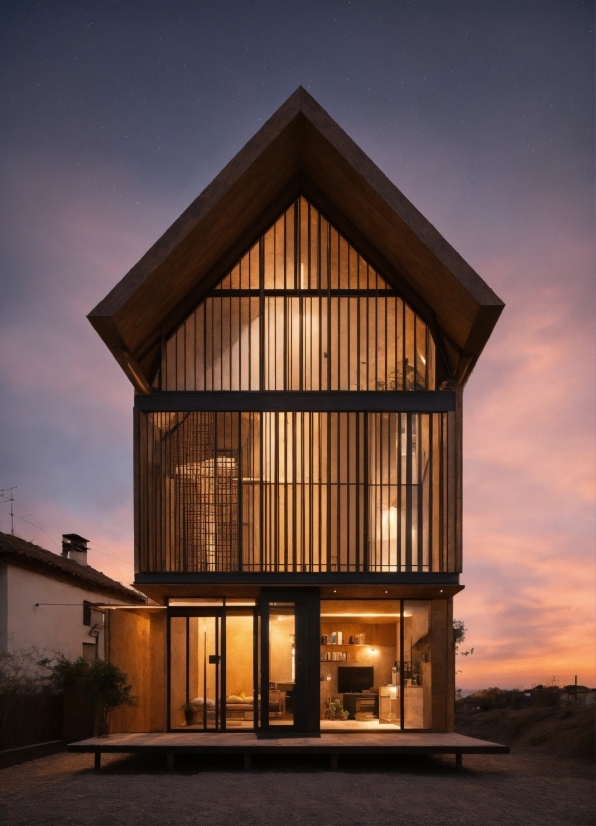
x,y
521,789
567,731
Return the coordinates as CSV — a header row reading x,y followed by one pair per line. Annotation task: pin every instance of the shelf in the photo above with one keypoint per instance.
x,y
349,645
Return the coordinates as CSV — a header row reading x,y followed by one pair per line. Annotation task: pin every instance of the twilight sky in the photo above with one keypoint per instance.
x,y
114,117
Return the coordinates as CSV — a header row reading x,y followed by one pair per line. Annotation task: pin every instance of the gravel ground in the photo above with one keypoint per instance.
x,y
521,789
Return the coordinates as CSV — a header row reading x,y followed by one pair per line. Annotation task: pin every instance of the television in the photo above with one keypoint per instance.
x,y
354,678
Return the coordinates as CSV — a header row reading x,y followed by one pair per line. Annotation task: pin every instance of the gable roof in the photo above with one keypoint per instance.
x,y
17,551
299,150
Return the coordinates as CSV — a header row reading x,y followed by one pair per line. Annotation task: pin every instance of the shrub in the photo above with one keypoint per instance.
x,y
104,683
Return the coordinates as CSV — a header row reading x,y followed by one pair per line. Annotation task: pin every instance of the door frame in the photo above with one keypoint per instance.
x,y
306,694
220,614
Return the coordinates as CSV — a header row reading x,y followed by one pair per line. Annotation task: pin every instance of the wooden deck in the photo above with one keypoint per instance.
x,y
332,744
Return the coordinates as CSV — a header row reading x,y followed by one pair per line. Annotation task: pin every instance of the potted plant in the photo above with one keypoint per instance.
x,y
336,711
104,683
189,713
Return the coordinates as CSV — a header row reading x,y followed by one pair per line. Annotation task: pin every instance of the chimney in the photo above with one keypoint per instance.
x,y
74,547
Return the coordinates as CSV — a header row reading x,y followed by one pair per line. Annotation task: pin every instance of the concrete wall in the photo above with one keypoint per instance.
x,y
56,624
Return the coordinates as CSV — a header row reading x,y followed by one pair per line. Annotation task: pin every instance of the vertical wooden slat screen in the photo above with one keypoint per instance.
x,y
300,311
296,491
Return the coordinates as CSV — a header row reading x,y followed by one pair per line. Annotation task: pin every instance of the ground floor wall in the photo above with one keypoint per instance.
x,y
443,665
137,641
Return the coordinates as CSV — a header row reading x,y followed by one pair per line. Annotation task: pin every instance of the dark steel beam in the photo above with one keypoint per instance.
x,y
301,579
402,401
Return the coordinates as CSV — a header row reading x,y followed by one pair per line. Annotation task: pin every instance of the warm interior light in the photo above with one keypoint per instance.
x,y
303,283
389,520
361,614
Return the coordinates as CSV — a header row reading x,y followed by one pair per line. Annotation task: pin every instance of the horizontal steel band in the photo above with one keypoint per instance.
x,y
396,401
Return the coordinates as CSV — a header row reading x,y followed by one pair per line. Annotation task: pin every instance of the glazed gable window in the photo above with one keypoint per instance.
x,y
300,311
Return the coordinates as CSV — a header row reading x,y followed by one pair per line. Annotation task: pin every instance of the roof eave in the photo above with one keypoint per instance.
x,y
71,577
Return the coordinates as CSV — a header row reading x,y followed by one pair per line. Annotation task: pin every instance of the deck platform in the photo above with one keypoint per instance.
x,y
333,744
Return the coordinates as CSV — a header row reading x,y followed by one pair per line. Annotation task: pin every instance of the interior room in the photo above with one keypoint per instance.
x,y
198,664
366,683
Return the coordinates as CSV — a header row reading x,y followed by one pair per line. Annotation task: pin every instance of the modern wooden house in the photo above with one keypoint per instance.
x,y
298,342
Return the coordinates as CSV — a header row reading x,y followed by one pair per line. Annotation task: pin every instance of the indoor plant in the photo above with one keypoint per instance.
x,y
336,711
189,713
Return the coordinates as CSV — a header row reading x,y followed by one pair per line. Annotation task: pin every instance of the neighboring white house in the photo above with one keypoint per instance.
x,y
52,601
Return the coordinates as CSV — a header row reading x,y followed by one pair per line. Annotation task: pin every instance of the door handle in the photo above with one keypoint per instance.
x,y
214,659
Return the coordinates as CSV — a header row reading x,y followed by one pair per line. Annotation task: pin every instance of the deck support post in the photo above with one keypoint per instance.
x,y
247,760
333,761
170,761
97,762
458,761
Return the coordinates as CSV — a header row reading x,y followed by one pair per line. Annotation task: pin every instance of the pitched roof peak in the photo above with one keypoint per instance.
x,y
299,150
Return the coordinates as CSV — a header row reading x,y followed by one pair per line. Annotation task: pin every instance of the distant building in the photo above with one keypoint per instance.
x,y
577,695
52,601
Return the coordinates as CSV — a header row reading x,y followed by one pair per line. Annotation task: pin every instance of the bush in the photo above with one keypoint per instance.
x,y
104,683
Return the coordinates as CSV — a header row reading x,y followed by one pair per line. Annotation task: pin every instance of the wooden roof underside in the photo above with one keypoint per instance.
x,y
300,150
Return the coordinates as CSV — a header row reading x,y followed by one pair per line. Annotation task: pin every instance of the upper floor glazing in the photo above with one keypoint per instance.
x,y
302,310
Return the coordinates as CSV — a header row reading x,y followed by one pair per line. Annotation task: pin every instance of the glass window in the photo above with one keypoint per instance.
x,y
302,310
282,663
294,491
195,672
360,656
417,664
239,665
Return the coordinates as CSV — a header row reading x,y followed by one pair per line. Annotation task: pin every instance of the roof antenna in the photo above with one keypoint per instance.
x,y
3,494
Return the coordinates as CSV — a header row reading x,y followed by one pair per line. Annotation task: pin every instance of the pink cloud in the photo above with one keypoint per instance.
x,y
529,475
529,442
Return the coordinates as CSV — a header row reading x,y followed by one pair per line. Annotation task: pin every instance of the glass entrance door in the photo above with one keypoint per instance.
x,y
282,664
196,644
289,663
212,667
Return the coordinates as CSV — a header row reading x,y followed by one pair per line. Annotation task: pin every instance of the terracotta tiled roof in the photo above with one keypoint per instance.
x,y
25,554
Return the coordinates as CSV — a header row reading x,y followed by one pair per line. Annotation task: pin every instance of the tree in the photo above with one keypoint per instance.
x,y
459,637
104,683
